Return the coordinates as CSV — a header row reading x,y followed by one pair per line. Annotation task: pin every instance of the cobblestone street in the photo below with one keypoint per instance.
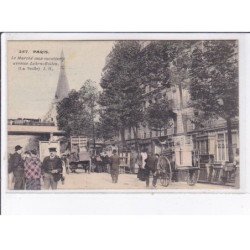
x,y
81,180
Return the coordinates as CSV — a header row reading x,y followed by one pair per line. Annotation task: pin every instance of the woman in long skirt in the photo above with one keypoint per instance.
x,y
32,170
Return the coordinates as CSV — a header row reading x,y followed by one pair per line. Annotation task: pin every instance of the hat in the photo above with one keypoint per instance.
x,y
52,149
17,147
33,152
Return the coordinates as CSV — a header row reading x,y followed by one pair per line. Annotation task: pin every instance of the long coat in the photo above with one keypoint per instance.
x,y
151,163
50,164
114,162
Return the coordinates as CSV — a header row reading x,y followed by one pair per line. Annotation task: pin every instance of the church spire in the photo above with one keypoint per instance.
x,y
62,89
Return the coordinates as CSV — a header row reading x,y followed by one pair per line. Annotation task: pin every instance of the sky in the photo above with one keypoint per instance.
x,y
30,92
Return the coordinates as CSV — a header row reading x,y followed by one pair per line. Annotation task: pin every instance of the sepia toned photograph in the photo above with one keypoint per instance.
x,y
123,115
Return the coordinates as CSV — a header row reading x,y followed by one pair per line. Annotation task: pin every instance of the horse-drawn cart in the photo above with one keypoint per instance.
x,y
168,166
81,160
79,157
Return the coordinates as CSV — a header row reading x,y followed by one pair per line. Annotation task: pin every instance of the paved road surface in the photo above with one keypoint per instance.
x,y
93,181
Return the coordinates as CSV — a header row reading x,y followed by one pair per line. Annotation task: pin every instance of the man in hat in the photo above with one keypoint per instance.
x,y
52,169
114,166
17,166
151,167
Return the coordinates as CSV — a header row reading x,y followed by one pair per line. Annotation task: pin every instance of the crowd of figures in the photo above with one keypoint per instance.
x,y
26,170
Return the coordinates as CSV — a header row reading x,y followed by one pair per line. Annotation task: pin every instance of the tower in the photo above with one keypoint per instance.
x,y
62,91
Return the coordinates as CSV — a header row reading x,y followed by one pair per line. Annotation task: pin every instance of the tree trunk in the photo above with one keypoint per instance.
x,y
94,144
122,131
181,95
181,108
136,138
175,123
230,141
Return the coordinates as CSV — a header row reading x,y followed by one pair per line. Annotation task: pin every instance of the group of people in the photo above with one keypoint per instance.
x,y
28,171
148,164
100,163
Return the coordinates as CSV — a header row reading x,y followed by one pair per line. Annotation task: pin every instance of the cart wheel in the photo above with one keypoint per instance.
x,y
165,171
165,179
193,177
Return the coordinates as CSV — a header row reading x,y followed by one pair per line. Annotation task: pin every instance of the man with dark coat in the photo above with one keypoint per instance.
x,y
17,167
114,166
52,169
151,166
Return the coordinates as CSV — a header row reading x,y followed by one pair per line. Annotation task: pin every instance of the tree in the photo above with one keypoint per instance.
x,y
77,113
214,79
121,99
158,115
167,63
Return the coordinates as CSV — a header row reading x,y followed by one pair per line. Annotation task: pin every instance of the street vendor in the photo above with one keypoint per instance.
x,y
52,169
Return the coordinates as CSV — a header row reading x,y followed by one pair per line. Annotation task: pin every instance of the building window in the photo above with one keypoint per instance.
x,y
129,134
203,146
222,146
181,157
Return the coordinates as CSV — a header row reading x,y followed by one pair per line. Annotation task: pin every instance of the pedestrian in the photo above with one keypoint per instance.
x,y
32,170
151,167
174,170
52,169
10,172
98,163
16,165
114,166
65,161
73,161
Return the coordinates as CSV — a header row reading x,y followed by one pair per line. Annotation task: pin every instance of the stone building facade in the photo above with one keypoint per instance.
x,y
181,135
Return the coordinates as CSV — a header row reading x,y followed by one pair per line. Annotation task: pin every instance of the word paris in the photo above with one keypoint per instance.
x,y
33,51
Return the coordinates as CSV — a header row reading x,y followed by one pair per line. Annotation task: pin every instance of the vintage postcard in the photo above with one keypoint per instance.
x,y
142,113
